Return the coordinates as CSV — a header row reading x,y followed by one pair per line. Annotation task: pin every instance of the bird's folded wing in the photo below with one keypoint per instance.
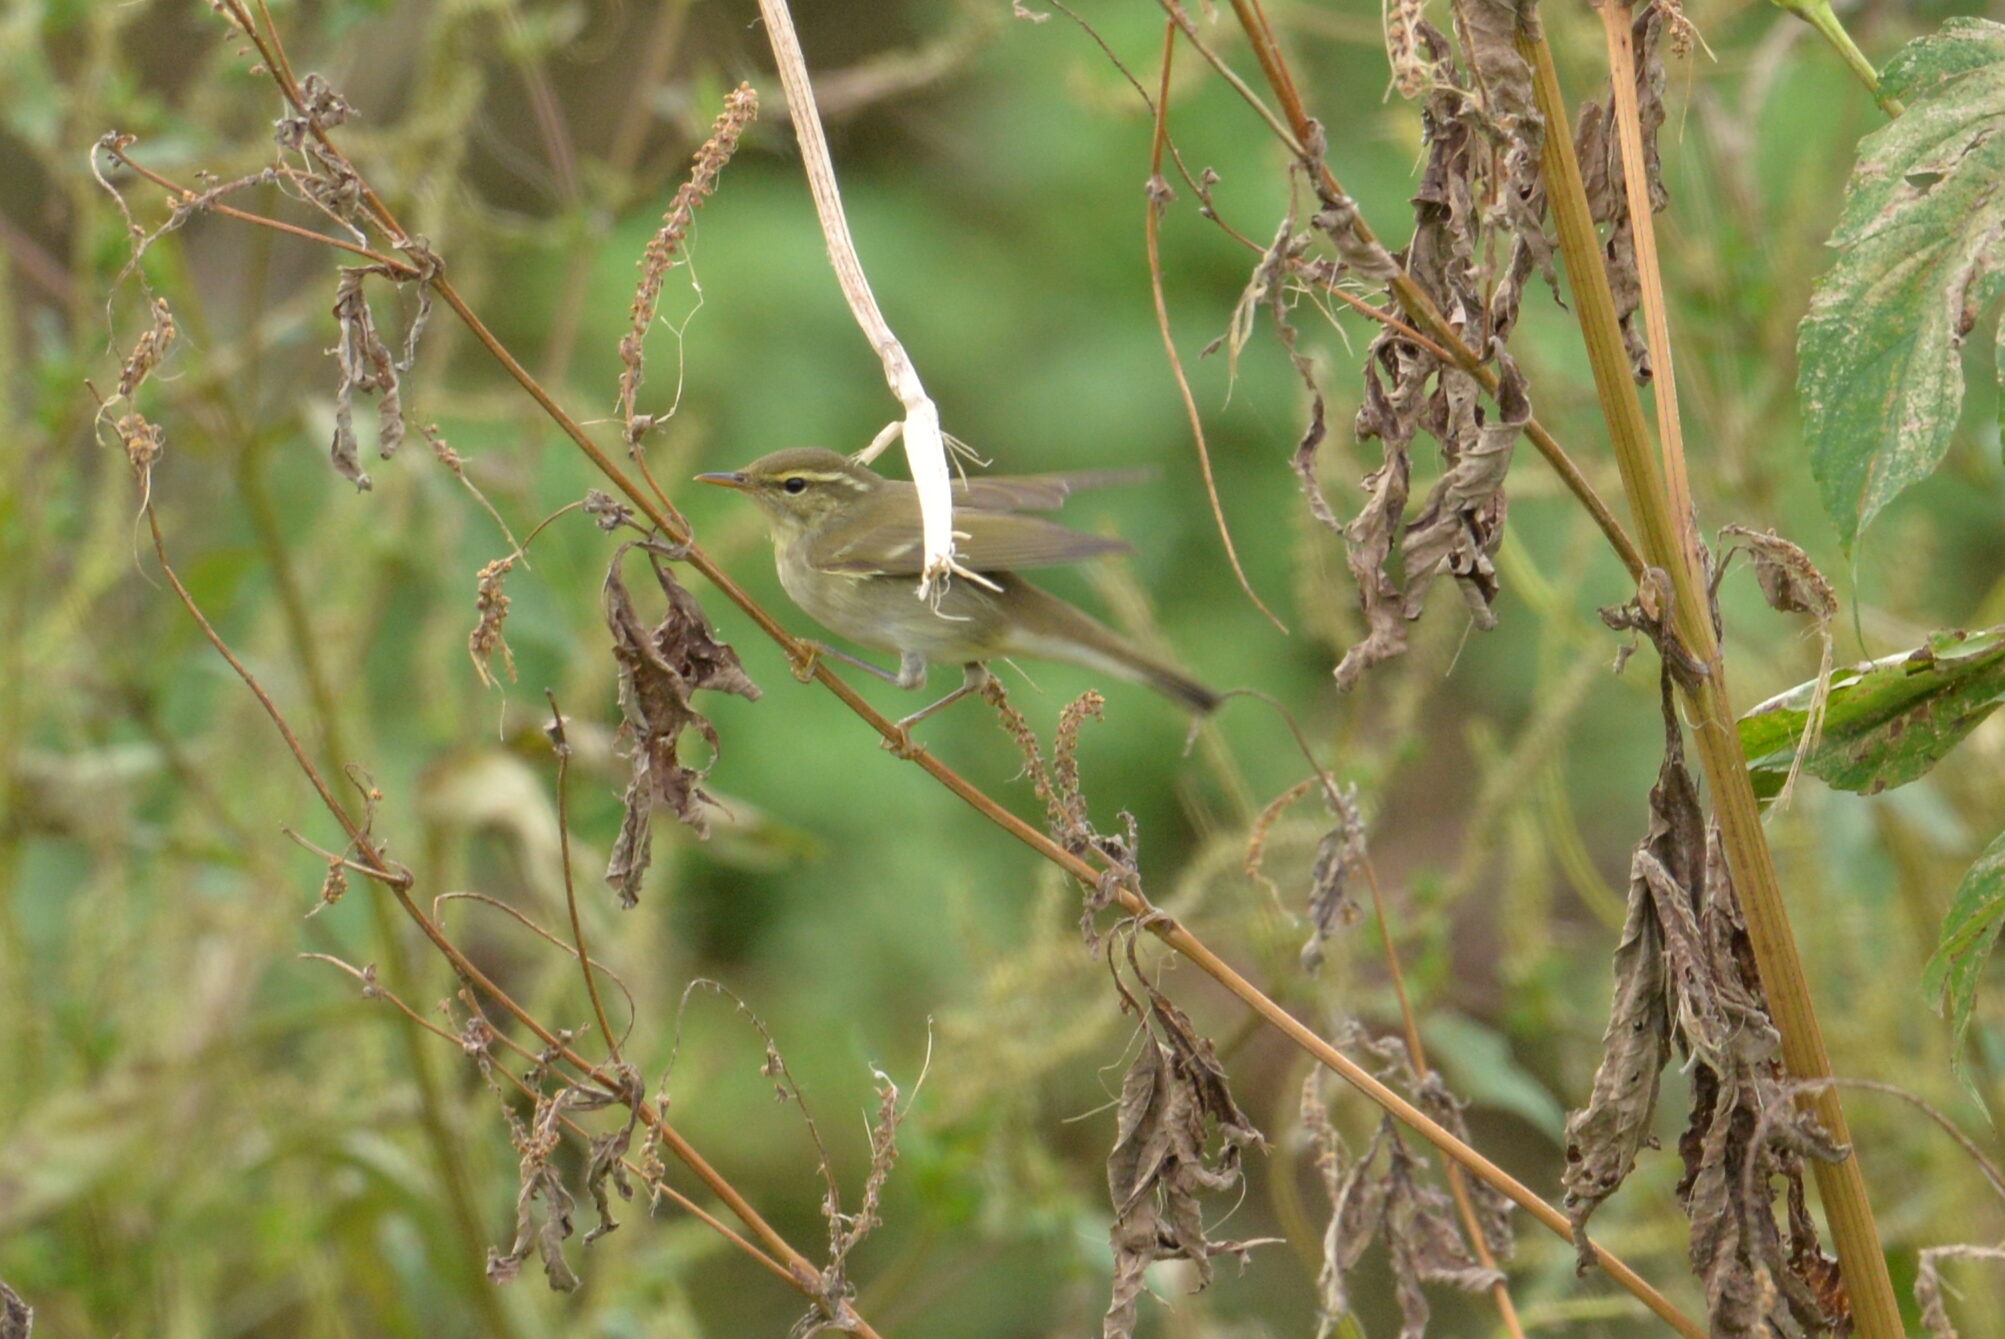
x,y
985,541
1036,492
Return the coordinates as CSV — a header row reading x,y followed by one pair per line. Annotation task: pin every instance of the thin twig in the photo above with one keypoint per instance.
x,y
1985,1167
517,915
562,745
400,268
1151,231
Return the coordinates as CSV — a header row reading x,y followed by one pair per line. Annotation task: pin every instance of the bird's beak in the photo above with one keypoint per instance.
x,y
727,479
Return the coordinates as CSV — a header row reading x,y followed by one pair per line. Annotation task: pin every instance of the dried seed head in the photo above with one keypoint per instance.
x,y
1411,73
150,351
492,605
741,106
332,889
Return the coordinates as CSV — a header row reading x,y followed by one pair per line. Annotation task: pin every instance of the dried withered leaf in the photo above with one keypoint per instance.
x,y
1268,288
1428,1091
608,1163
1478,236
1746,1130
328,178
1603,1139
1685,971
1393,416
1359,252
1462,523
1339,855
1369,1201
659,668
1173,1096
366,365
539,1180
1492,1207
17,1318
1357,1207
633,848
1789,581
1928,1284
1791,584
1423,1243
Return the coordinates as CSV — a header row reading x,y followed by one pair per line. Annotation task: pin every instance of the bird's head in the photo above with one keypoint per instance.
x,y
800,488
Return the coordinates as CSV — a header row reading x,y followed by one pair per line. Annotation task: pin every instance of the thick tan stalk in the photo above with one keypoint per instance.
x,y
1669,541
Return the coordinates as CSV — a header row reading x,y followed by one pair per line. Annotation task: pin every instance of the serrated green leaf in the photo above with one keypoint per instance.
x,y
1888,721
1969,931
1922,243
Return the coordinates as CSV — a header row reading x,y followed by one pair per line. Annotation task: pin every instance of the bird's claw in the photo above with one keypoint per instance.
x,y
900,744
803,662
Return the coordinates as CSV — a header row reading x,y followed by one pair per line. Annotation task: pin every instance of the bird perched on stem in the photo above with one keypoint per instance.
x,y
848,545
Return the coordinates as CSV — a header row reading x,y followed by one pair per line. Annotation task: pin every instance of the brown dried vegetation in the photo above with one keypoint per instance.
x,y
1686,976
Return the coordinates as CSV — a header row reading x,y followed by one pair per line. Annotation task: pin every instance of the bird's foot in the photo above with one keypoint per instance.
x,y
900,743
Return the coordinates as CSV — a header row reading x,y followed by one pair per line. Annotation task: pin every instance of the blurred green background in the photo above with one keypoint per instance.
x,y
203,1134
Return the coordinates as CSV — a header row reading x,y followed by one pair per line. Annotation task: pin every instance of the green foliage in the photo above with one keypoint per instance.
x,y
1886,723
1969,932
1920,259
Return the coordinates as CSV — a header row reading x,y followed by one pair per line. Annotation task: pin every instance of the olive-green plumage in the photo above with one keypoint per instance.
x,y
848,546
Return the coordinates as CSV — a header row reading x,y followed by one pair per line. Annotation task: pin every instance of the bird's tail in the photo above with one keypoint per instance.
x,y
1077,638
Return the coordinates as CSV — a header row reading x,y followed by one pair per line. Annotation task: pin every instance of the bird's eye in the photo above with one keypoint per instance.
x,y
796,485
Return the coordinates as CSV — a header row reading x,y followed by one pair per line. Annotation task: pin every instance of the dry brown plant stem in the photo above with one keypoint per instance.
x,y
1671,542
562,744
1458,1187
1151,231
1164,927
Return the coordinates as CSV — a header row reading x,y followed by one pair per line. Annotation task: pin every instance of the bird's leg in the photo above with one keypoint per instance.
x,y
911,671
912,674
973,676
816,650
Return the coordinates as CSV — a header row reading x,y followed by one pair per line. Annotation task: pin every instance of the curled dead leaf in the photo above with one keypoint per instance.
x,y
659,669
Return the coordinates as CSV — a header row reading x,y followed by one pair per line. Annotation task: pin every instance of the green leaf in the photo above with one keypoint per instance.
x,y
1888,721
1921,252
1969,931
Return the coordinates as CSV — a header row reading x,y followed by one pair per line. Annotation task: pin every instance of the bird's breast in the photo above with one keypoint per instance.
x,y
886,613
